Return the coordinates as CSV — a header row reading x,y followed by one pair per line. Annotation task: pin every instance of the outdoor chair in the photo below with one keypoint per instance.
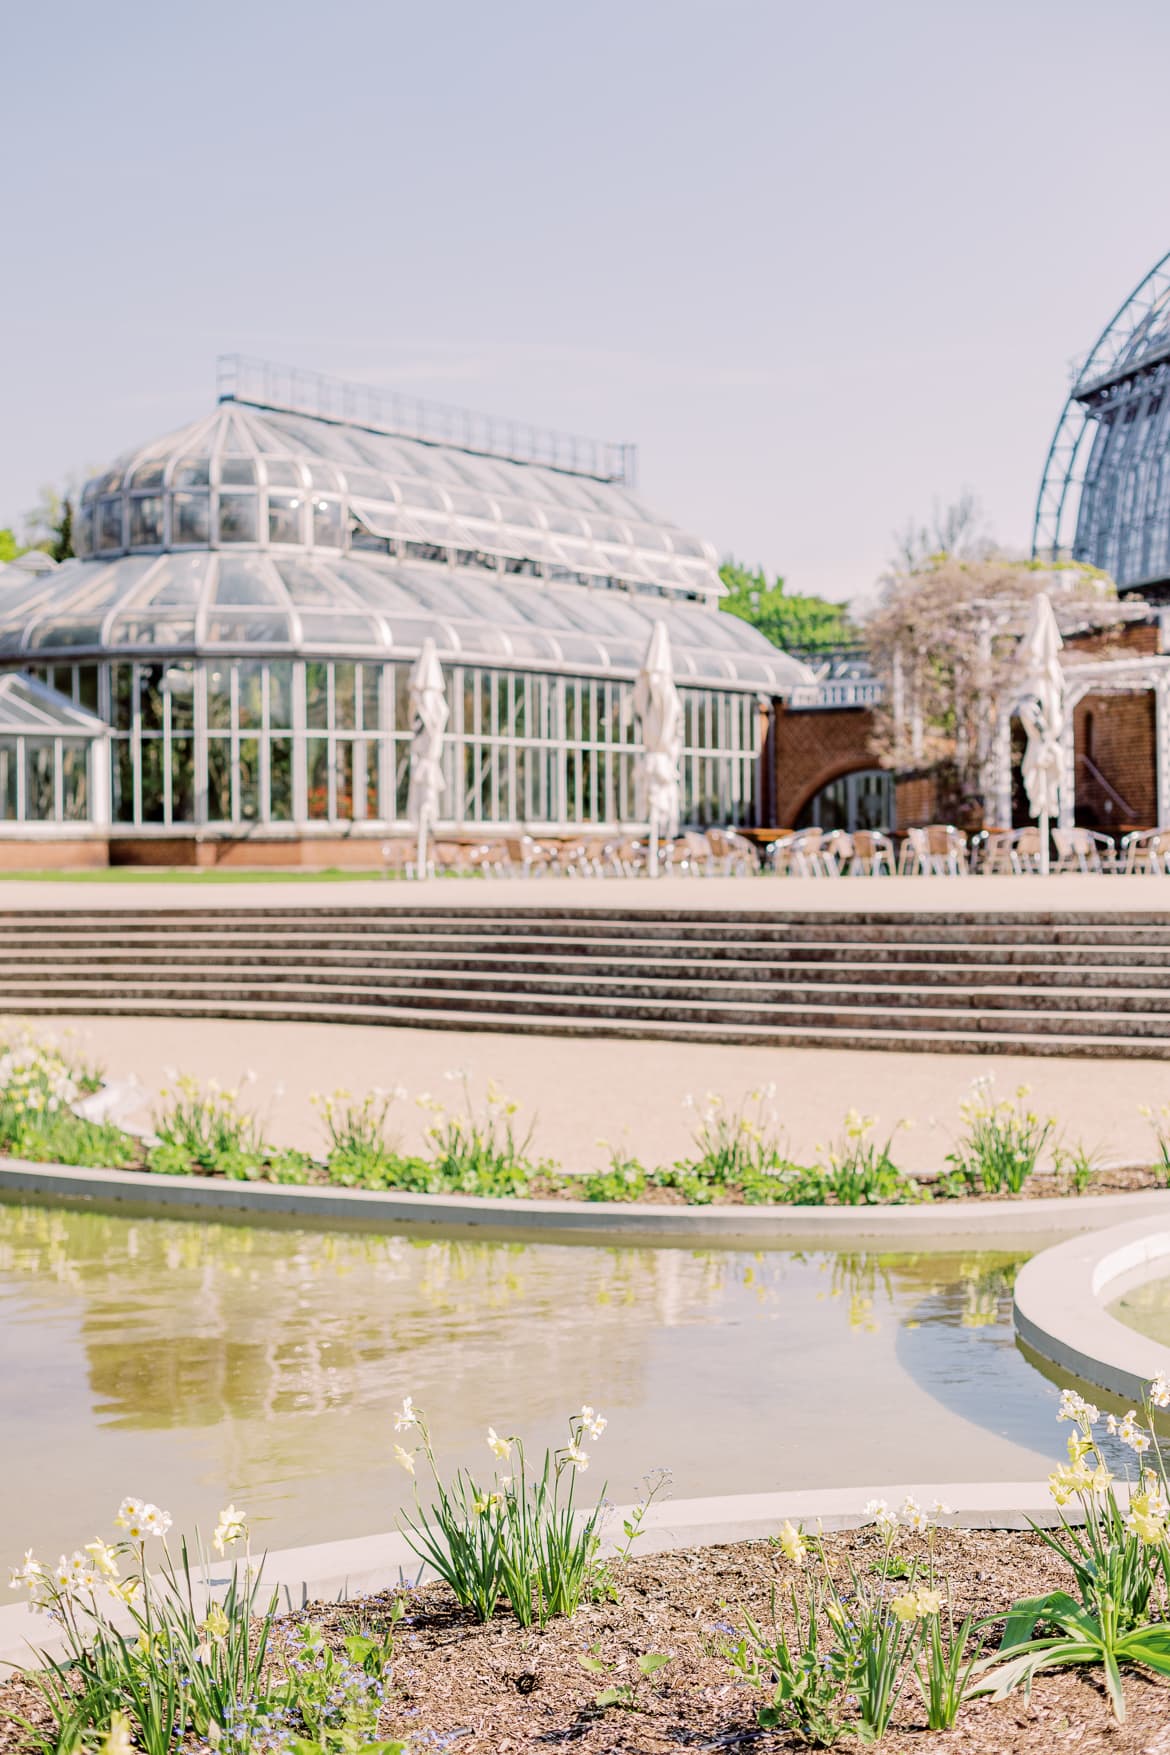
x,y
1084,850
873,853
801,856
836,852
490,857
529,858
735,853
938,850
1146,851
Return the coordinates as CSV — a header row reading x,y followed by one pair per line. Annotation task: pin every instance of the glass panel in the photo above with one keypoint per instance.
x,y
61,679
237,517
153,797
250,693
237,472
244,579
264,630
146,521
280,779
150,704
121,696
87,686
191,472
182,779
110,524
39,802
284,518
180,688
149,475
219,699
249,779
318,776
9,757
343,697
316,696
280,696
327,523
282,473
123,781
371,686
190,518
343,778
219,779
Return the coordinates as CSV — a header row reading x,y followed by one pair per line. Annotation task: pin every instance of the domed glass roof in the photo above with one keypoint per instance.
x,y
283,530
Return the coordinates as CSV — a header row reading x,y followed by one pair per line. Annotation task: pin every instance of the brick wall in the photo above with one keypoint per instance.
x,y
1115,735
809,749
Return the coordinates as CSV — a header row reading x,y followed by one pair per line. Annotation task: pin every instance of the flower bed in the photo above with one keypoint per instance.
x,y
905,1633
51,1105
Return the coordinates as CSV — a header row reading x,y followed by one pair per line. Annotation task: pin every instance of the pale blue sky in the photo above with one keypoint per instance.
x,y
824,263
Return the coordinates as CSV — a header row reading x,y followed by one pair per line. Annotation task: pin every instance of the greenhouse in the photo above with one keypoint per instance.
x,y
250,593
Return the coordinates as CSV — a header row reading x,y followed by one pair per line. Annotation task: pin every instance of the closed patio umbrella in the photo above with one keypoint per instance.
x,y
659,709
1040,702
428,711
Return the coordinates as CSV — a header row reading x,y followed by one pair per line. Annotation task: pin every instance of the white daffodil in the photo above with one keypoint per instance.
x,y
1132,1434
577,1457
498,1446
406,1417
592,1422
231,1527
1159,1392
404,1459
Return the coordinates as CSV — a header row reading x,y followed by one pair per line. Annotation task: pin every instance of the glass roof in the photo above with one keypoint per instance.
x,y
28,707
271,602
268,477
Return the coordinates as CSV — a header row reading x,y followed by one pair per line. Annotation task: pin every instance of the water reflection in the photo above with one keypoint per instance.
x,y
190,1361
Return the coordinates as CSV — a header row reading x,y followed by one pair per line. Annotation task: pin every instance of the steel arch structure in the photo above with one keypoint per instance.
x,y
1136,339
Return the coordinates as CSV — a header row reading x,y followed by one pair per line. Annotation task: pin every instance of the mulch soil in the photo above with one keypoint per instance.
x,y
503,1690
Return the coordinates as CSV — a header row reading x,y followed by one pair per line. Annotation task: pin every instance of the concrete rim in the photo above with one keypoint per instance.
x,y
1030,1223
361,1566
1060,1298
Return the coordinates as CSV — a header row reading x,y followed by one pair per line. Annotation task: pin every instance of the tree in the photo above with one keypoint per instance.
x,y
793,621
9,547
49,526
943,639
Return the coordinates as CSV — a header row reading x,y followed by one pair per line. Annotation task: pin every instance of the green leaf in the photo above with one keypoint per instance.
x,y
612,1697
653,1660
592,1664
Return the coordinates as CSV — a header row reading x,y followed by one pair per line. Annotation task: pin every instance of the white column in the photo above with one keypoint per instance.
x,y
1162,746
1001,767
1068,766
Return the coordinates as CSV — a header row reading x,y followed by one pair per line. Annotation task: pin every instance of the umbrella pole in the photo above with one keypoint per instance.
x,y
1044,844
420,858
653,867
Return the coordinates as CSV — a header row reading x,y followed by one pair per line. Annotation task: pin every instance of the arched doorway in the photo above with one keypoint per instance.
x,y
863,799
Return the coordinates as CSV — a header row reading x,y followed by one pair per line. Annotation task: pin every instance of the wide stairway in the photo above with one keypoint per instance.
x,y
1032,983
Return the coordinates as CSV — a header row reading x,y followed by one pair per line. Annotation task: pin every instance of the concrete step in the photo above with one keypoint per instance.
x,y
507,964
662,983
949,1012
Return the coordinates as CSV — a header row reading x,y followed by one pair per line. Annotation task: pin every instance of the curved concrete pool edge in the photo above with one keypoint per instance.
x,y
1059,1305
933,1224
362,1566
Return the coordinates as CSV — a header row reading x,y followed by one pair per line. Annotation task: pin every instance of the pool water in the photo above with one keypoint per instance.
x,y
1146,1309
191,1363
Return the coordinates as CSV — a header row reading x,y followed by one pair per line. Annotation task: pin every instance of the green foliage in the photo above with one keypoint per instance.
x,y
945,1668
808,1680
478,1150
359,1153
146,1649
9,547
623,1694
1002,1143
623,1178
204,1128
335,1700
518,1537
790,620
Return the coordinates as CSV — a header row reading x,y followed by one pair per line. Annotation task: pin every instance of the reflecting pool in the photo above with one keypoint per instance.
x,y
190,1363
1147,1309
